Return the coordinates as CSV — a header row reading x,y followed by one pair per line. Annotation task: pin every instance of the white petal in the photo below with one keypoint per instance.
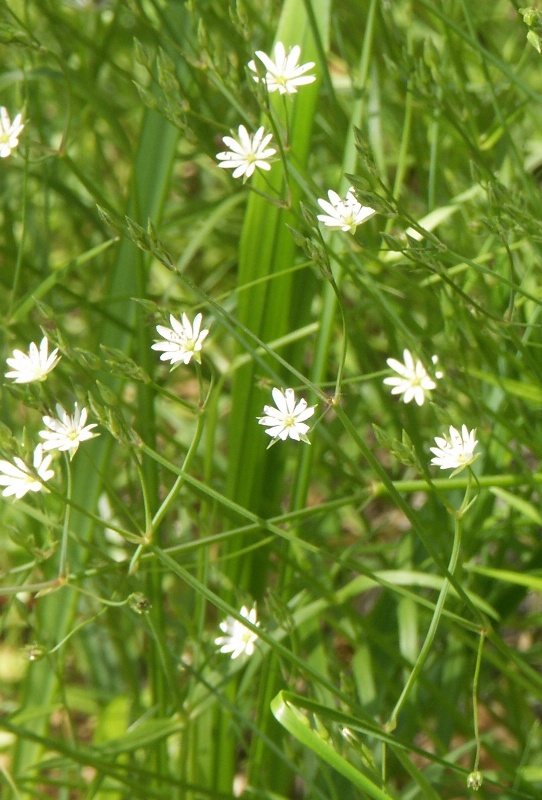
x,y
289,396
398,367
331,210
334,198
280,400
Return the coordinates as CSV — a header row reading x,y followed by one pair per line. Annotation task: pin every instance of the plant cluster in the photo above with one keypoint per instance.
x,y
204,207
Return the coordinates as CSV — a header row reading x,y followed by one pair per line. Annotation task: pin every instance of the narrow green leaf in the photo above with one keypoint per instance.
x,y
525,508
533,582
527,391
297,724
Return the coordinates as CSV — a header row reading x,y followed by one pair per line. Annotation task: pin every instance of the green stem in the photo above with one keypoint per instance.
x,y
8,779
344,340
76,630
402,159
176,488
62,569
148,518
275,125
424,652
475,700
378,489
434,138
20,249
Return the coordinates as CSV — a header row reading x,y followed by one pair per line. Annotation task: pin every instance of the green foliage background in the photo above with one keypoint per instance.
x,y
113,214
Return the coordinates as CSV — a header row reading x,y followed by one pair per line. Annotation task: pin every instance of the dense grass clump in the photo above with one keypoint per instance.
x,y
270,434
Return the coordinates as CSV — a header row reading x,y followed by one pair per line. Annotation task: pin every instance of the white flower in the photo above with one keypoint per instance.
x,y
238,639
247,154
9,132
183,341
34,365
412,380
65,432
283,74
18,478
344,215
288,418
456,450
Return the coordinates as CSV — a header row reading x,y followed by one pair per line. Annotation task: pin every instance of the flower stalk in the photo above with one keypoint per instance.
x,y
63,564
176,488
426,647
476,722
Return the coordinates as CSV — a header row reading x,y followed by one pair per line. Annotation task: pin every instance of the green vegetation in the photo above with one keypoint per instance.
x,y
394,632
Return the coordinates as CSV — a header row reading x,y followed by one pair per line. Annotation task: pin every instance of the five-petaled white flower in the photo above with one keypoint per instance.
x,y
9,132
283,74
247,154
456,450
34,365
183,341
344,215
19,478
238,639
67,432
288,418
412,380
